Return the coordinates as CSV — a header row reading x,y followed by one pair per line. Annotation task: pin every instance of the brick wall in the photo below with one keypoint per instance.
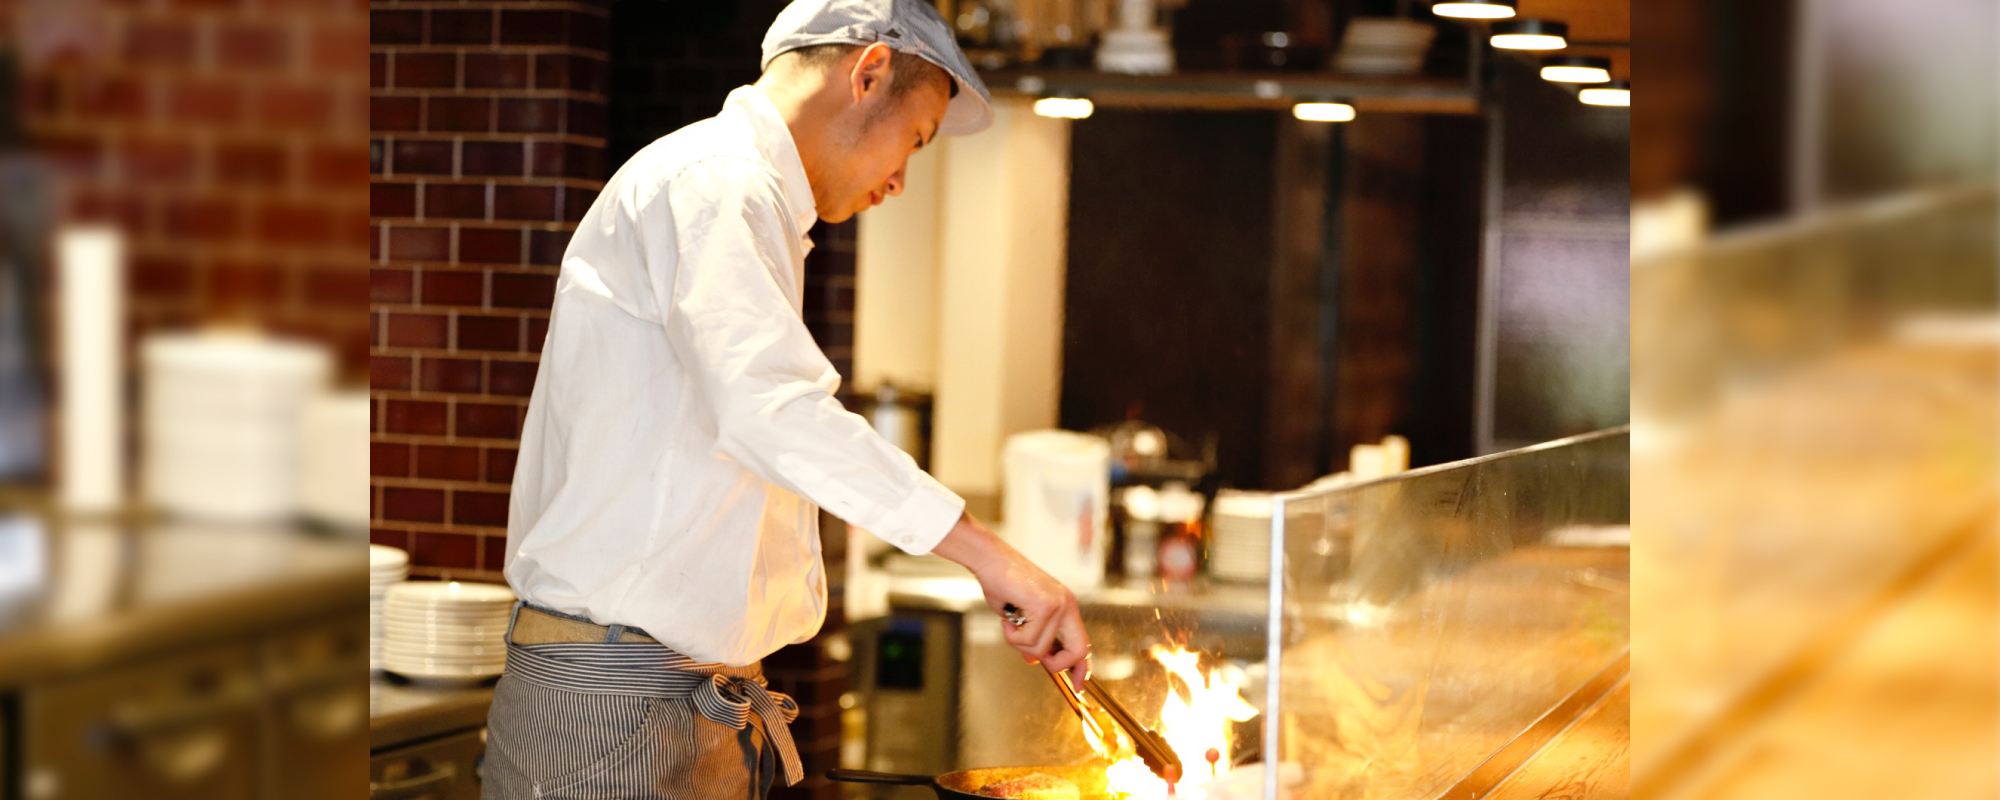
x,y
488,123
224,138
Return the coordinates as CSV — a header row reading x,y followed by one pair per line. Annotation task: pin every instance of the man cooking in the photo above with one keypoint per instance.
x,y
683,433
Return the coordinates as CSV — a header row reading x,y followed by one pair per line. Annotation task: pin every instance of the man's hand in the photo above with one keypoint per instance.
x,y
1053,630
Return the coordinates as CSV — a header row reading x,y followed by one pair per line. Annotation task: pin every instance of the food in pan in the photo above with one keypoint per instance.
x,y
1033,786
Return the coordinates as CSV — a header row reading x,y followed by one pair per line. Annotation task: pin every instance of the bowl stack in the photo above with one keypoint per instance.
x,y
1240,545
448,632
387,566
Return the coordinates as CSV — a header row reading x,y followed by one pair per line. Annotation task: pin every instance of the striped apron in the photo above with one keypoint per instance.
x,y
633,720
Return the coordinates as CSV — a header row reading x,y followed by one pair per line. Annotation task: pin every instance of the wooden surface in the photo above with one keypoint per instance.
x,y
1589,761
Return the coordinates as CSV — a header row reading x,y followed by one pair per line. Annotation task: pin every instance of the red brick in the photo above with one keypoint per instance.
x,y
460,114
110,98
539,115
530,203
588,75
564,160
489,246
499,465
450,375
576,202
511,378
375,242
419,244
589,31
516,290
287,106
445,550
534,27
461,27
339,50
161,276
378,156
538,331
489,333
413,505
488,420
417,330
378,70
161,42
285,223
426,71
246,283
392,199
387,285
396,27
415,417
387,114
126,211
157,159
445,288
478,508
337,166
265,47
496,71
250,164
355,232
75,155
387,537
421,158
205,101
494,552
455,201
586,118
201,218
338,286
490,158
443,463
388,460
552,71
389,373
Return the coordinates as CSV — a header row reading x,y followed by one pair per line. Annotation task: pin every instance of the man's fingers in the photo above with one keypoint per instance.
x,y
1077,642
1045,639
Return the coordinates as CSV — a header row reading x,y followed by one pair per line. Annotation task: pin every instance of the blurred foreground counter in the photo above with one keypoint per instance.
x,y
171,660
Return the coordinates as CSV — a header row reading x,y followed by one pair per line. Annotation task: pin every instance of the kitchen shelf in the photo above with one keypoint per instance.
x,y
1242,90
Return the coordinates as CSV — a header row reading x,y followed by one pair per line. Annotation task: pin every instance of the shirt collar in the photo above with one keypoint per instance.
x,y
774,141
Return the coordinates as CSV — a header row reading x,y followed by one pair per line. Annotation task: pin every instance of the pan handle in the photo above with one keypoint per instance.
x,y
865,776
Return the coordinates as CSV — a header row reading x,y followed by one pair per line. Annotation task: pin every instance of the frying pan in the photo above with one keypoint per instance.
x,y
965,784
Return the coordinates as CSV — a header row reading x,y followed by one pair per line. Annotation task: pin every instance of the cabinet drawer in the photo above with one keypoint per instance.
x,y
446,768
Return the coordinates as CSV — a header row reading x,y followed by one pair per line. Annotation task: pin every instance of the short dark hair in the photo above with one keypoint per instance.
x,y
907,71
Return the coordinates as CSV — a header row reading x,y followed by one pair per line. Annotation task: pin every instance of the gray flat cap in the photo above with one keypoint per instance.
x,y
906,26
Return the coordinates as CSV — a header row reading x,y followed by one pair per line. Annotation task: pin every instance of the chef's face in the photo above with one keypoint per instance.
x,y
874,145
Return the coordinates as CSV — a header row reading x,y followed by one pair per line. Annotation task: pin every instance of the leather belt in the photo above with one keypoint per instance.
x,y
534,626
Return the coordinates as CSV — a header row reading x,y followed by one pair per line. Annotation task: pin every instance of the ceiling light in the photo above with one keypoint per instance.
x,y
1576,69
1615,93
1475,9
1324,111
1530,34
1064,107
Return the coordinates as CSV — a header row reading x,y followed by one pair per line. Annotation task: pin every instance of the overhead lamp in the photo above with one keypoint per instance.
x,y
1615,93
1576,69
1323,111
1064,106
1530,34
1475,9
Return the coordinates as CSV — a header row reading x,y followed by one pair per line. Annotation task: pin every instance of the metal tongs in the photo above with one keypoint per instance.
x,y
1151,747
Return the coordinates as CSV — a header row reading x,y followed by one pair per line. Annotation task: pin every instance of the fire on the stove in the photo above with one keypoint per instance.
x,y
1195,719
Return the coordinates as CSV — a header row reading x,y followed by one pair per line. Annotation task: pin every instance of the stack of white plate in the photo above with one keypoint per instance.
x,y
387,566
446,631
1240,545
1383,46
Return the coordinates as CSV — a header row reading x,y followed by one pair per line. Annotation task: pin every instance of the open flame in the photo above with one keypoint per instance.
x,y
1194,719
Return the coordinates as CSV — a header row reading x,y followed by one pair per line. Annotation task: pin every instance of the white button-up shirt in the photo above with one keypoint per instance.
x,y
683,431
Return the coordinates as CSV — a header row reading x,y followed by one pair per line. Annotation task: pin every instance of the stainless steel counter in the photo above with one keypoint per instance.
x,y
400,714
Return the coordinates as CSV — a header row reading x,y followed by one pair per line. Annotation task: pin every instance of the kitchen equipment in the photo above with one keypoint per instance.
x,y
446,768
91,334
387,566
333,472
221,423
965,784
446,632
1383,46
1151,748
24,223
1136,46
1240,536
1057,499
903,418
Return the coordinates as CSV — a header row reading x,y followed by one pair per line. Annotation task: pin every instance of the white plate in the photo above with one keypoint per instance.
x,y
419,670
454,591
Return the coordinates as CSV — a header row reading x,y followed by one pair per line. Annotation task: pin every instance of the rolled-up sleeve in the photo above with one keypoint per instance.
x,y
727,297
